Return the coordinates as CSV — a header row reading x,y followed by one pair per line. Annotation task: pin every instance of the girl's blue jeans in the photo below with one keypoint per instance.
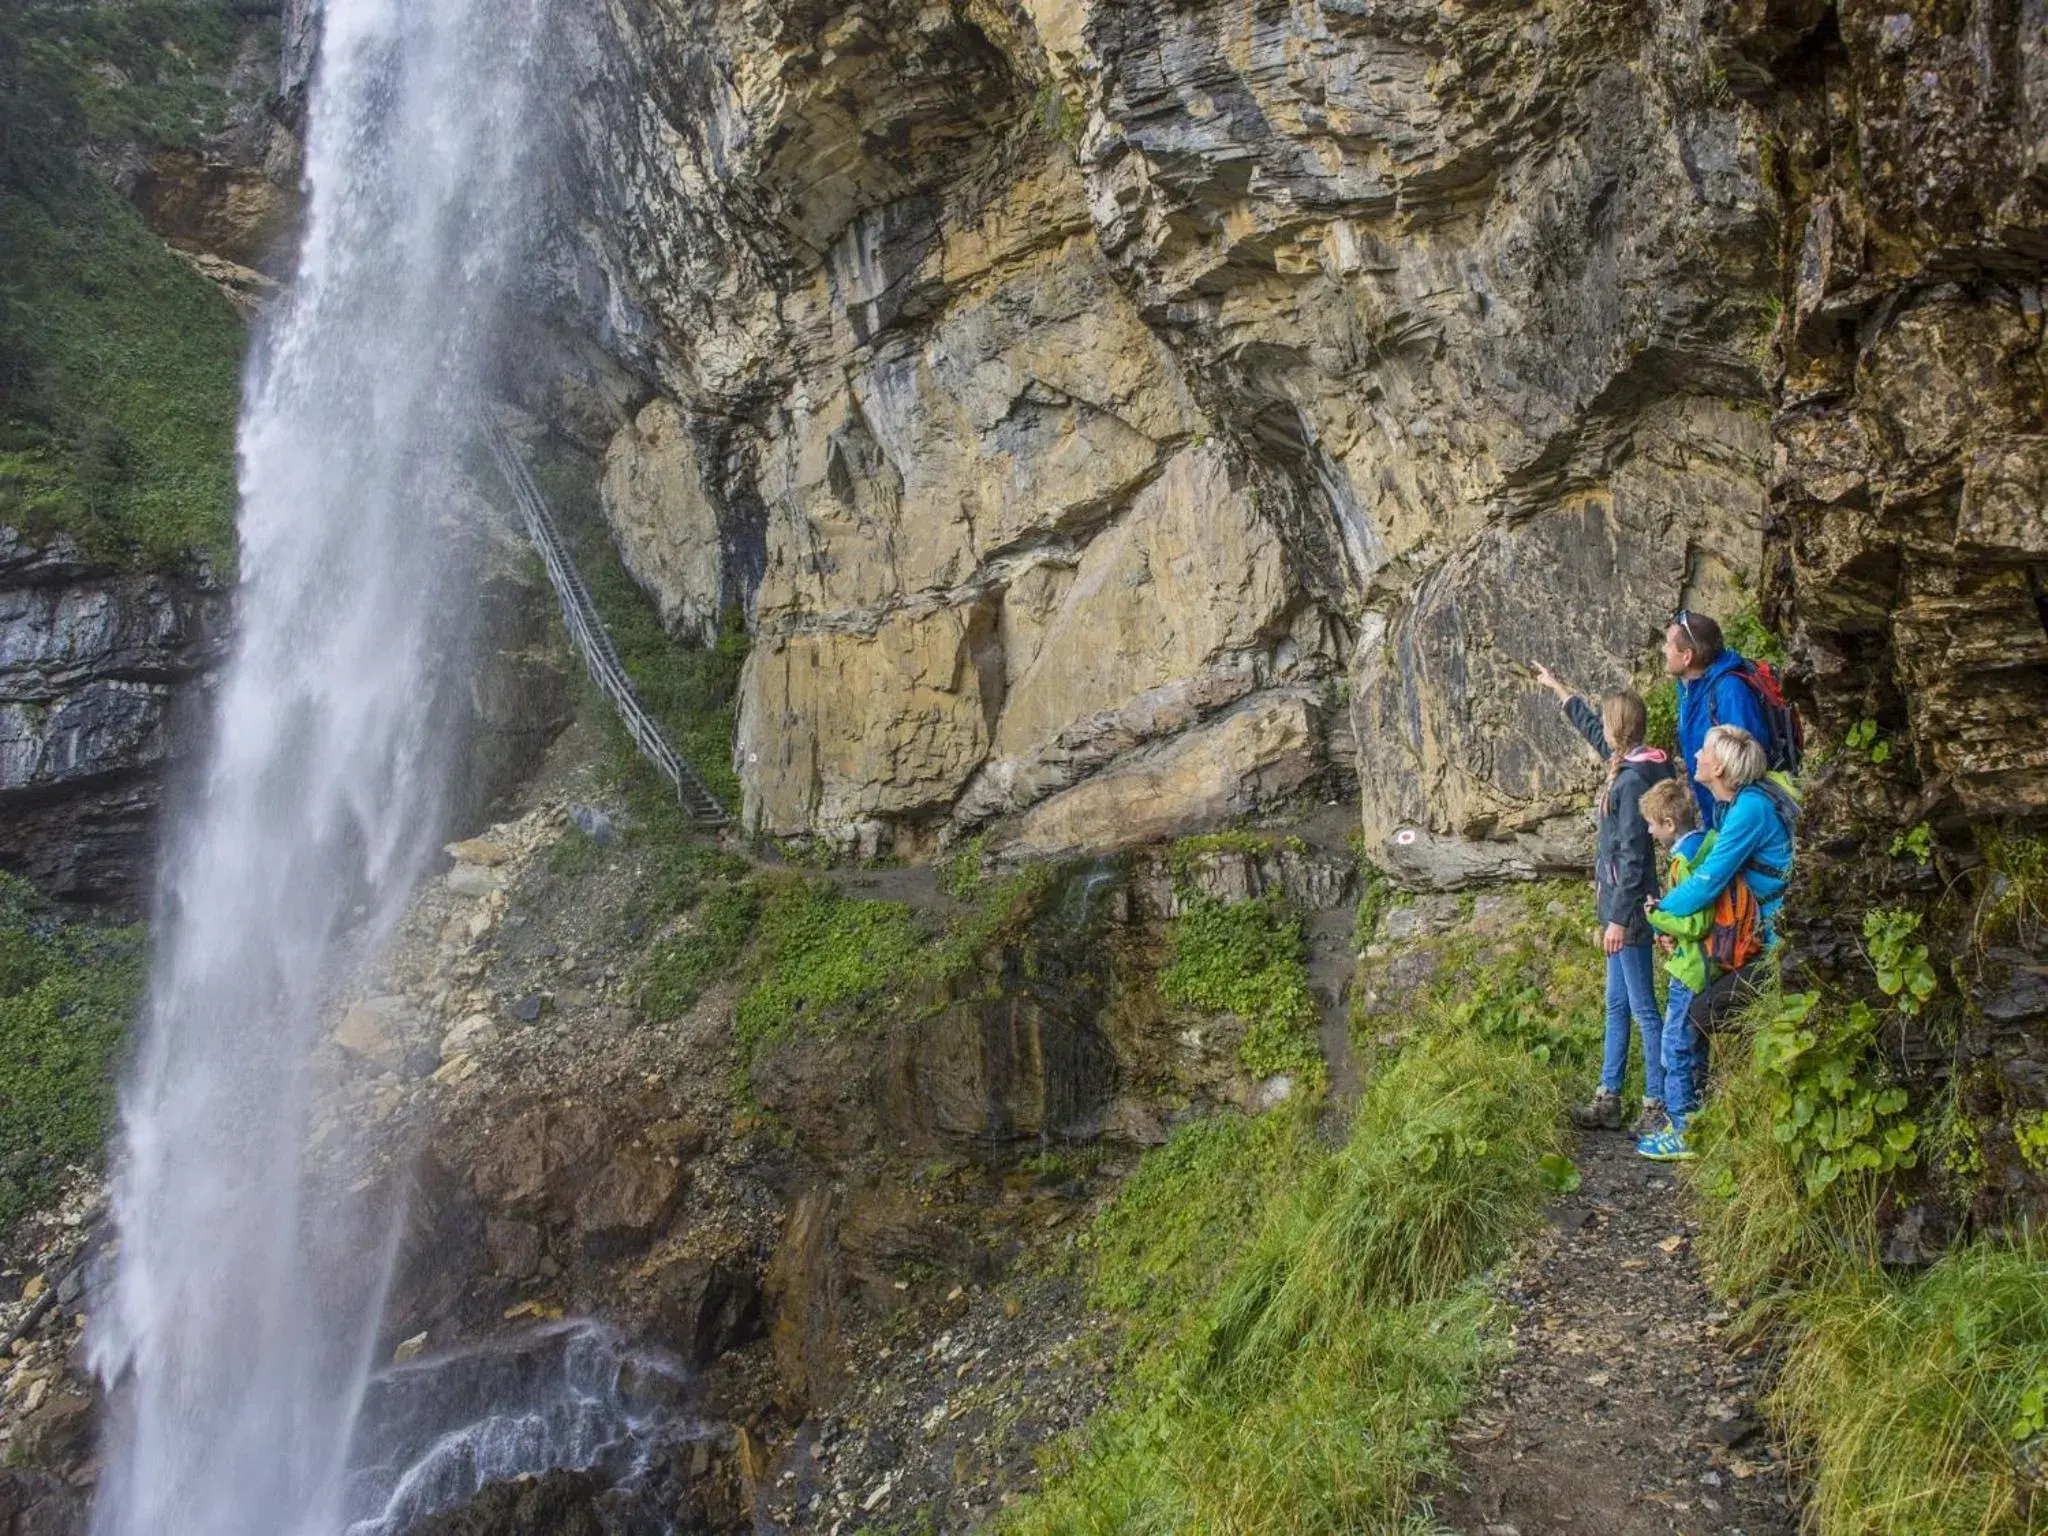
x,y
1685,1057
1632,990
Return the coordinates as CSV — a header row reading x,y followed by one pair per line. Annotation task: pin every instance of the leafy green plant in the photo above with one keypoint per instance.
x,y
1863,737
2030,1134
1830,1108
1248,959
2032,1419
675,970
1560,1175
960,876
1917,842
1904,973
67,994
824,959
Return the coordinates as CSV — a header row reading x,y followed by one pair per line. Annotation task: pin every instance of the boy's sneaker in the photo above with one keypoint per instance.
x,y
1651,1120
1665,1147
1600,1113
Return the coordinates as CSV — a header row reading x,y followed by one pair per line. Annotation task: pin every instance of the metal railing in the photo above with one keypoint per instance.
x,y
593,644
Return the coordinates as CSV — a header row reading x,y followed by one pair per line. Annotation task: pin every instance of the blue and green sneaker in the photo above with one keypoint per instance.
x,y
1667,1146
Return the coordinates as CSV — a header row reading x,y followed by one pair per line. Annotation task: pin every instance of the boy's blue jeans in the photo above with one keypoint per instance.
x,y
1685,1057
1632,990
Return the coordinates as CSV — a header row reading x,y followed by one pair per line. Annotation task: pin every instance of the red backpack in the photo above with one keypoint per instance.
x,y
1786,732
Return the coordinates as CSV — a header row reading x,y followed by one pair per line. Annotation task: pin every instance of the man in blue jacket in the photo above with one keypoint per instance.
x,y
1709,694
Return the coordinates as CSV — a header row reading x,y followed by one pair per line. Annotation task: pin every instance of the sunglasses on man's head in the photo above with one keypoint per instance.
x,y
1683,619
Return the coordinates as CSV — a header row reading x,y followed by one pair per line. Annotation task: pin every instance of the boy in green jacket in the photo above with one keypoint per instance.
x,y
1673,820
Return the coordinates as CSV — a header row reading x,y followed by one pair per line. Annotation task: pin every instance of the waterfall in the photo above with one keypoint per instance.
x,y
235,1336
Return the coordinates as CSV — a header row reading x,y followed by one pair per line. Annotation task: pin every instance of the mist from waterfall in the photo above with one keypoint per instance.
x,y
235,1336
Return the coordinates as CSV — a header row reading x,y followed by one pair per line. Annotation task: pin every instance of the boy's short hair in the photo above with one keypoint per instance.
x,y
1740,755
1670,800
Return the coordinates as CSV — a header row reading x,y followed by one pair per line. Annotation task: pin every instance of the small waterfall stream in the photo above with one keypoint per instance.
x,y
236,1335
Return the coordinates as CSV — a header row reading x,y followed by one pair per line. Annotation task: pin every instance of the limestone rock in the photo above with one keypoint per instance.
x,y
373,1030
1261,752
471,1034
665,523
838,728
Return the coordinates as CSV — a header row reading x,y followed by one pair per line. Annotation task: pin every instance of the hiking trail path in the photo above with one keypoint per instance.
x,y
1626,1408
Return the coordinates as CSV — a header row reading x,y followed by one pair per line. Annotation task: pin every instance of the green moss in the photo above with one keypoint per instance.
x,y
67,993
1249,960
119,384
676,969
824,960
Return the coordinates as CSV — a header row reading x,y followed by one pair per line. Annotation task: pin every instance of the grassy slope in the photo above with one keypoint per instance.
x,y
119,367
1302,1381
67,991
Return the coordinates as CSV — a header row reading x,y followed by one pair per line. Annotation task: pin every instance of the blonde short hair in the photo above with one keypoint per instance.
x,y
1670,800
1741,759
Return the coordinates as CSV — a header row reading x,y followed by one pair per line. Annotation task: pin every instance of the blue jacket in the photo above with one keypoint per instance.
x,y
1718,698
1755,840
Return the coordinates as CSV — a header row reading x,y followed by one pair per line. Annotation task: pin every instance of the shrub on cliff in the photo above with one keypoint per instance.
x,y
67,993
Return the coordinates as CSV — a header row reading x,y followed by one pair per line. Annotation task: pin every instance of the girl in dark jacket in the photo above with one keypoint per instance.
x,y
1625,875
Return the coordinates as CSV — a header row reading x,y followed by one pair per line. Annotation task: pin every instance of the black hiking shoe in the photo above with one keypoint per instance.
x,y
1600,1113
1652,1120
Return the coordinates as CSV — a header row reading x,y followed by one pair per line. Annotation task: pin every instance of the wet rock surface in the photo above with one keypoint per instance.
x,y
1628,1404
99,670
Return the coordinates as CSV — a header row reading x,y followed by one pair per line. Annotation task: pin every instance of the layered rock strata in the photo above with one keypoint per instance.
x,y
95,668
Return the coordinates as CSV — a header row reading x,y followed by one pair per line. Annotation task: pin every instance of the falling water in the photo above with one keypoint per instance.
x,y
236,1336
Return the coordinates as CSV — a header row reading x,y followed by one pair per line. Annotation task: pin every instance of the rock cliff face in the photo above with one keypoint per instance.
x,y
1096,406
96,672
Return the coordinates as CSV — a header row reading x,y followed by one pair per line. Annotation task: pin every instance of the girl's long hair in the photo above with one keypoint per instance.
x,y
1625,718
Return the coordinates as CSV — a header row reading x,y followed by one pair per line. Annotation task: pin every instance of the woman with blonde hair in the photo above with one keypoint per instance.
x,y
1625,875
1754,844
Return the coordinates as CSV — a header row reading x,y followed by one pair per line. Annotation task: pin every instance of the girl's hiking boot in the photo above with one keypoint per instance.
x,y
1651,1120
1667,1146
1602,1112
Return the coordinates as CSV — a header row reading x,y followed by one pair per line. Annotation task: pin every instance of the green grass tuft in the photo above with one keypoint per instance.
x,y
67,994
1911,1398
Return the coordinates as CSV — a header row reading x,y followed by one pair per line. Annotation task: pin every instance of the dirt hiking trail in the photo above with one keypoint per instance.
x,y
1625,1410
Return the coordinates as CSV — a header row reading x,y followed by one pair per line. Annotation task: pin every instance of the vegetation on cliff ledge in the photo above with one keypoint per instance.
x,y
119,365
1303,1382
67,993
1915,1397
